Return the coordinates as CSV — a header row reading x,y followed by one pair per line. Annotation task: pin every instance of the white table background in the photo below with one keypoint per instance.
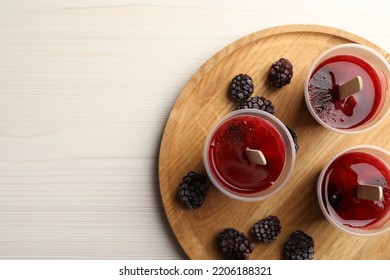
x,y
86,87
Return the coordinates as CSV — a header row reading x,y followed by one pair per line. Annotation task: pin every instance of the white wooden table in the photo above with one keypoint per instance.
x,y
86,87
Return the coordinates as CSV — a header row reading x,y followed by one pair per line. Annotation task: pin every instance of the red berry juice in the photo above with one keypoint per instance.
x,y
229,163
354,110
339,190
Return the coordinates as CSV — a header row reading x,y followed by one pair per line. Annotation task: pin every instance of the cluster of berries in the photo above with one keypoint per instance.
x,y
280,74
241,88
194,186
236,246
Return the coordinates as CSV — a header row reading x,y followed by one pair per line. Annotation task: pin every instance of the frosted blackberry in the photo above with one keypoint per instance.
x,y
266,230
299,246
193,189
294,137
241,87
281,73
257,102
234,244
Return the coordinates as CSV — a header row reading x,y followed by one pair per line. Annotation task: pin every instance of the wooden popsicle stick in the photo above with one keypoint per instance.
x,y
350,87
255,156
370,192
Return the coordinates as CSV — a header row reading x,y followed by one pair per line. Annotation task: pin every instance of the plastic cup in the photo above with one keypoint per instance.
x,y
370,108
227,165
337,192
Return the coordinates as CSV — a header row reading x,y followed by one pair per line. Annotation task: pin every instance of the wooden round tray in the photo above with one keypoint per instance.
x,y
204,99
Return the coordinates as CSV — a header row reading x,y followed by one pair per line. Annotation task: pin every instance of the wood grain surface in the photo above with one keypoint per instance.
x,y
86,88
204,99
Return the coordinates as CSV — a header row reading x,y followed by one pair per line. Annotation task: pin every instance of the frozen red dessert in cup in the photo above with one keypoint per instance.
x,y
353,190
347,88
249,155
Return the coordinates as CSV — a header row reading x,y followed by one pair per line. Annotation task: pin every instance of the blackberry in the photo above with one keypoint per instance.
x,y
234,244
241,87
257,102
267,229
294,137
299,246
281,73
193,189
